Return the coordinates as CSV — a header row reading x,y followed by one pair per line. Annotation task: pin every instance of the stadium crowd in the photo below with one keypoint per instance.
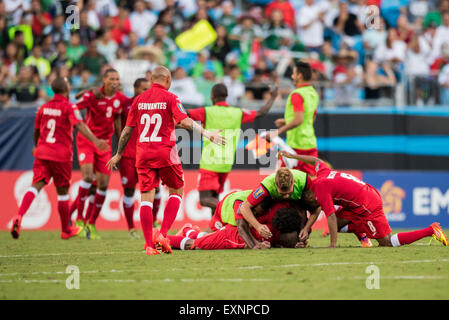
x,y
355,55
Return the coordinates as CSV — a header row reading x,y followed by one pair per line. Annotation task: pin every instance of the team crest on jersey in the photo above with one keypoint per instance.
x,y
258,193
116,103
180,107
77,113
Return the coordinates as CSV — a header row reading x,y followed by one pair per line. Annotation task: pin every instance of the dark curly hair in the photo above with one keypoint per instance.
x,y
287,220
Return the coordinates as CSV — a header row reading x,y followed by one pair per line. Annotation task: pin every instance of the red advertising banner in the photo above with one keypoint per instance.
x,y
43,212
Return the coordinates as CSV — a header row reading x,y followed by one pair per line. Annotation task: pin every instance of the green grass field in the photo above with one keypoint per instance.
x,y
116,267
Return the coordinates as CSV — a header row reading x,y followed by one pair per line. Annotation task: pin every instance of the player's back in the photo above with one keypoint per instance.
x,y
55,120
154,114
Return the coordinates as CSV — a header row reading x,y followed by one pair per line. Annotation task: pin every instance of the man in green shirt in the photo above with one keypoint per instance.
x,y
299,117
216,163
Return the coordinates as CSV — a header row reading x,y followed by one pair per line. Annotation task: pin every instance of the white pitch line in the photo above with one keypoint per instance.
x,y
65,254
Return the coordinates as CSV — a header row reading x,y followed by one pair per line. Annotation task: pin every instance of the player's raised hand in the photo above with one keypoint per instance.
x,y
274,91
264,231
303,235
279,122
284,154
216,138
112,163
102,145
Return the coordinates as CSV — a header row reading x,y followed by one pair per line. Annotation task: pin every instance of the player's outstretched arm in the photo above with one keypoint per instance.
x,y
123,141
304,234
333,229
266,108
214,136
247,213
245,233
103,145
306,159
96,91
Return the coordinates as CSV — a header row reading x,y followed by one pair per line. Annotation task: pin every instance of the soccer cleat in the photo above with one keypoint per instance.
x,y
93,232
149,251
438,234
83,232
133,234
16,224
181,231
160,240
74,231
365,241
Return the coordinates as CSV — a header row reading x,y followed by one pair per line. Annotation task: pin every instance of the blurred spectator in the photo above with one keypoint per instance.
x,y
4,37
92,60
236,88
443,80
16,9
346,23
376,79
441,35
392,9
157,5
106,8
40,19
121,26
374,37
393,49
287,10
257,89
221,47
166,19
347,76
58,30
227,18
417,57
276,32
310,25
48,48
168,45
22,50
61,58
204,85
142,20
23,89
204,63
184,87
75,49
36,60
106,46
404,30
245,32
86,32
10,60
434,16
93,20
83,81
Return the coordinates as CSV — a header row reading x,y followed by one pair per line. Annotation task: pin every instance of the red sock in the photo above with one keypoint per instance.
x,y
27,200
128,209
74,205
412,236
83,193
170,212
146,221
90,209
100,196
175,241
64,213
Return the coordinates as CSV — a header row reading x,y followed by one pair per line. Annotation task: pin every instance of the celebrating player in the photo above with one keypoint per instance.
x,y
284,184
361,208
154,114
103,116
53,141
216,162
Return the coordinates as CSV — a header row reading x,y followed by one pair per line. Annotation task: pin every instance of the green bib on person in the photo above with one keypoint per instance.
x,y
303,136
227,209
228,119
300,184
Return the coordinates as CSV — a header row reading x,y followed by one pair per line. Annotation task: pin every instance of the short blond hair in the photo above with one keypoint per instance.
x,y
283,179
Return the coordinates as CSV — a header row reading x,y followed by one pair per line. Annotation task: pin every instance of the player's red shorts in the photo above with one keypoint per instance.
x,y
225,238
88,153
375,225
128,173
44,170
216,222
210,180
172,177
305,167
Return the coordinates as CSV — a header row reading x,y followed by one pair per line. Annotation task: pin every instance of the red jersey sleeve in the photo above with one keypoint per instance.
x,y
198,114
178,111
297,102
86,100
131,121
321,168
324,198
74,114
249,116
258,195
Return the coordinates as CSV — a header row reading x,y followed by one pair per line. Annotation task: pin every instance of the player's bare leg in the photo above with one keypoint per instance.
x,y
67,232
87,177
156,206
128,209
100,196
209,198
27,200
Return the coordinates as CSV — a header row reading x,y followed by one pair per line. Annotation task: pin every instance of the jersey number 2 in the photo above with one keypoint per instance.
x,y
148,120
51,124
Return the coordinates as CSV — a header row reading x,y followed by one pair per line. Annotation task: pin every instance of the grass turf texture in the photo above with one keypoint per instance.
x,y
115,267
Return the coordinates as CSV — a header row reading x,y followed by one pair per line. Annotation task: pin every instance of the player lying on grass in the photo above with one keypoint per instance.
x,y
53,150
285,226
361,208
284,184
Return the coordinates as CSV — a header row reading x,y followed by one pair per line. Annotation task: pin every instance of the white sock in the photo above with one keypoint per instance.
x,y
183,243
395,240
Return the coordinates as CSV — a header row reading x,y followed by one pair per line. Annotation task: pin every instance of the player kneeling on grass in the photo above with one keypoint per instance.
x,y
288,220
361,208
53,141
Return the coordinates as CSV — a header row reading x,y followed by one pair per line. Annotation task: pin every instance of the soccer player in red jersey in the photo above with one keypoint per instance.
x,y
361,208
210,182
127,168
53,140
103,117
154,114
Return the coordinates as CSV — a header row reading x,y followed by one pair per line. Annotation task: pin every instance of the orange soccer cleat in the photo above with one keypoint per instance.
x,y
160,240
16,224
149,251
74,231
438,234
365,241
